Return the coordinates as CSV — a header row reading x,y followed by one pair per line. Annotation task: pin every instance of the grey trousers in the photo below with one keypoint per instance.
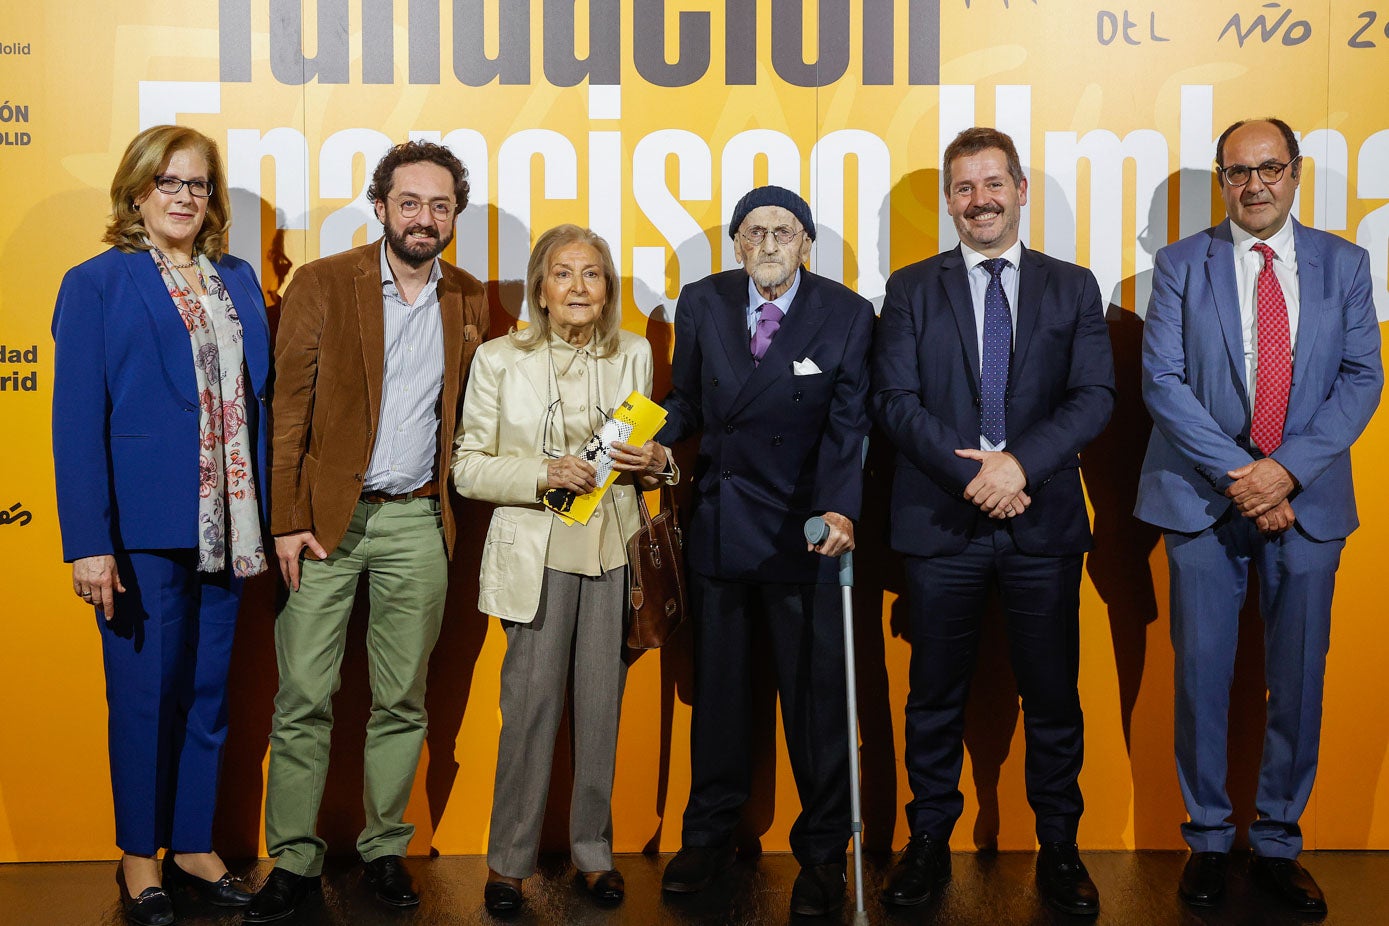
x,y
579,625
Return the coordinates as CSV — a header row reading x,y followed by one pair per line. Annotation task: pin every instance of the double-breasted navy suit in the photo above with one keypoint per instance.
x,y
125,455
775,447
1194,384
926,398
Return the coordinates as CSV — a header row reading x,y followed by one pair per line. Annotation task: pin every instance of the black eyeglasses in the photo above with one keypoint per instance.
x,y
409,207
172,185
783,235
1269,172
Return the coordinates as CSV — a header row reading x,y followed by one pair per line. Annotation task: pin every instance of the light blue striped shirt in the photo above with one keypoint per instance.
x,y
407,436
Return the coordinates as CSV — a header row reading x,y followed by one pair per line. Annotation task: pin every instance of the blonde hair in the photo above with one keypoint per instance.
x,y
609,322
145,157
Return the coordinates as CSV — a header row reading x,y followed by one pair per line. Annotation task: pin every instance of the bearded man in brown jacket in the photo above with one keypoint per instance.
x,y
370,360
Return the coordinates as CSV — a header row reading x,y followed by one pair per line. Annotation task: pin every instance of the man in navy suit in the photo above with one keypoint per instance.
x,y
1261,367
991,372
770,369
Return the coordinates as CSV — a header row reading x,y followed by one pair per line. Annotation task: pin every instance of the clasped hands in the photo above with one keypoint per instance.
x,y
1260,491
579,476
997,489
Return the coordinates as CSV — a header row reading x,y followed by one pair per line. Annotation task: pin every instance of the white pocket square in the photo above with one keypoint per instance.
x,y
804,367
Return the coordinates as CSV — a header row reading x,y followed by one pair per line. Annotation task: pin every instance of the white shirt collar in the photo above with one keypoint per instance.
x,y
973,258
1282,242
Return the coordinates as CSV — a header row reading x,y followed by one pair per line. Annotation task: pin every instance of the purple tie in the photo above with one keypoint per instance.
x,y
768,321
998,349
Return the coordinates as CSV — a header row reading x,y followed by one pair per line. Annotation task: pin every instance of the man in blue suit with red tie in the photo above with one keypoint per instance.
x,y
992,370
770,369
1261,367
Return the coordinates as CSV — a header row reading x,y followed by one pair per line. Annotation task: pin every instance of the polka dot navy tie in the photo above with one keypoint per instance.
x,y
768,321
998,350
1275,358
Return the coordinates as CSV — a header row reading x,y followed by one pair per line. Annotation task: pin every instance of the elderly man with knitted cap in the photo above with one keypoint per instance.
x,y
770,371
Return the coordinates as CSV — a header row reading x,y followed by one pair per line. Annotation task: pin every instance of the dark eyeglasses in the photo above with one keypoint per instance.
x,y
1270,172
172,185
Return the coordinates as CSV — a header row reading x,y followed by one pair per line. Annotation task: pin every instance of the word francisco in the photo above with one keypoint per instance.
x,y
517,34
17,381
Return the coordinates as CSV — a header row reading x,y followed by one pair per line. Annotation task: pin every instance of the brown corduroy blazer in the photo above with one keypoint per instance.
x,y
329,364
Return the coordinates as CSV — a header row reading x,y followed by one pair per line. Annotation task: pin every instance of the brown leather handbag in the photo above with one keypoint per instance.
x,y
655,575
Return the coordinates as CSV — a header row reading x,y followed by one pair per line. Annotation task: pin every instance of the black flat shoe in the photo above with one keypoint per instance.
x,y
605,887
1290,883
391,881
1063,881
922,870
152,908
226,891
818,890
1203,878
694,867
281,893
501,896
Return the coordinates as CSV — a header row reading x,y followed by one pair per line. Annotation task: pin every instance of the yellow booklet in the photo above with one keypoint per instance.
x,y
634,422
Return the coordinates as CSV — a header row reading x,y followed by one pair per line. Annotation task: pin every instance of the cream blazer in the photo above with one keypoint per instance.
x,y
497,458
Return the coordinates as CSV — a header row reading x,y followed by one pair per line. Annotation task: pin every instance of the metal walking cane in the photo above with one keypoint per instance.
x,y
816,530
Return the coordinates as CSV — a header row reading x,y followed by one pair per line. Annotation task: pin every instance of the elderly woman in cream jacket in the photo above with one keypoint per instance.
x,y
534,398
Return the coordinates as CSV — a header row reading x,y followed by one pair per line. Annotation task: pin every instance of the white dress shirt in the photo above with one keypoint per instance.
x,y
1248,264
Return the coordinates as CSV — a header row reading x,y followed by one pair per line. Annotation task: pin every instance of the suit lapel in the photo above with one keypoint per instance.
x,y
1310,287
1220,274
730,320
372,323
168,325
1032,286
954,279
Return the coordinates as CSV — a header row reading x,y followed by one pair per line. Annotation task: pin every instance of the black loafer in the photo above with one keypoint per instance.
x,y
278,897
152,908
694,867
923,868
1203,878
226,891
501,896
605,887
1063,881
391,881
1291,883
819,890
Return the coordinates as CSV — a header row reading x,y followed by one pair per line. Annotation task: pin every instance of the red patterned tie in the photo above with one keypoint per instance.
x,y
1275,360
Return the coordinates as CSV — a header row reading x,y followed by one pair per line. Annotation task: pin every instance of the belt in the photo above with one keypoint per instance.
x,y
429,490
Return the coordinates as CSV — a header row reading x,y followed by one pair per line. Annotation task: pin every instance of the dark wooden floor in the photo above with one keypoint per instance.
x,y
1136,888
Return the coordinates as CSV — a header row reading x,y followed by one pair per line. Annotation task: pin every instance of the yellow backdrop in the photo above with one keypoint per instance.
x,y
647,120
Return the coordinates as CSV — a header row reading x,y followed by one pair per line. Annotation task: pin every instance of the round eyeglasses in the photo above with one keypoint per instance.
x,y
409,207
1269,172
783,235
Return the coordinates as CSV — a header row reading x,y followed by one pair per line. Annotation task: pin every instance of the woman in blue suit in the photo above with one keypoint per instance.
x,y
161,362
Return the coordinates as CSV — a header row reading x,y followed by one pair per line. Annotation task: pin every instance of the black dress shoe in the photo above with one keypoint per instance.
x,y
605,887
279,895
695,866
152,908
389,877
501,895
923,867
1203,878
226,891
1063,881
1292,884
819,890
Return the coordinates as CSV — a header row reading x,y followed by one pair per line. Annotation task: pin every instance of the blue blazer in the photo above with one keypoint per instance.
x,y
125,404
926,397
775,447
1195,390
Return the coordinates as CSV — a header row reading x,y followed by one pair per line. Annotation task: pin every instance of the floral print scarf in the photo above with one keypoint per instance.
x,y
228,515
